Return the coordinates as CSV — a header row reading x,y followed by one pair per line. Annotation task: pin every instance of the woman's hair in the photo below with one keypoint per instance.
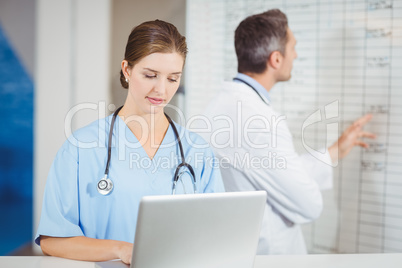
x,y
152,37
257,37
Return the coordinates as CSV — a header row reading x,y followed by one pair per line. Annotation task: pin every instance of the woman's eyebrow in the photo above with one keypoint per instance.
x,y
151,70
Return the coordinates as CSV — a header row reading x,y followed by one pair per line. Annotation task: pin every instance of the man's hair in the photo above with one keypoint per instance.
x,y
257,36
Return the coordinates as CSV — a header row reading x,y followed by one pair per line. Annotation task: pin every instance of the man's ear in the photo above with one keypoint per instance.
x,y
275,60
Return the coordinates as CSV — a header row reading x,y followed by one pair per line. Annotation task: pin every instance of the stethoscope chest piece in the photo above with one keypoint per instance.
x,y
105,186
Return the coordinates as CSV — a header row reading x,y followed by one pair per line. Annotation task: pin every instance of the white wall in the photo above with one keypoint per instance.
x,y
72,67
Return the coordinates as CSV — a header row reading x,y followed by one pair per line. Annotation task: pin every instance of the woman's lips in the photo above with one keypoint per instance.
x,y
155,101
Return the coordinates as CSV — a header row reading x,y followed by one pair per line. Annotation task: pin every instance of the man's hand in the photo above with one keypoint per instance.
x,y
351,137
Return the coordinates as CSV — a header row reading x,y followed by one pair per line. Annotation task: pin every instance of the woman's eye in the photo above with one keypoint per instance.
x,y
150,76
172,80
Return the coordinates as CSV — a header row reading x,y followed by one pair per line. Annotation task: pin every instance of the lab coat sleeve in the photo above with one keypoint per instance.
x,y
319,168
290,189
211,179
60,208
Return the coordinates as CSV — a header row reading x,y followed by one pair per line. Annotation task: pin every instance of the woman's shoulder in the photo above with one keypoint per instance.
x,y
96,126
89,136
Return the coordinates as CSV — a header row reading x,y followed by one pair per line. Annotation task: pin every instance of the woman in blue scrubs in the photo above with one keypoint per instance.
x,y
83,217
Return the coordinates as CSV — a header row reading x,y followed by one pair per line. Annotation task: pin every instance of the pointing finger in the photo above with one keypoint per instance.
x,y
362,144
367,135
363,120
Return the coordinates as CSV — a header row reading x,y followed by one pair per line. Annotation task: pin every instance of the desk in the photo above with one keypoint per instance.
x,y
309,261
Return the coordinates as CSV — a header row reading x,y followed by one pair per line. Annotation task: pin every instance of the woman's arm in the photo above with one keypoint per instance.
x,y
86,249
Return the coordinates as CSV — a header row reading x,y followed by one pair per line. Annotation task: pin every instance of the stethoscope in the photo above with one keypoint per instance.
x,y
105,184
259,95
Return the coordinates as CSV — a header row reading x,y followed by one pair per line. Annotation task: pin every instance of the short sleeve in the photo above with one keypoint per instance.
x,y
60,209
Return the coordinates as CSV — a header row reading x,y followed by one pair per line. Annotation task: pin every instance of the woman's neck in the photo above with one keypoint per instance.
x,y
150,125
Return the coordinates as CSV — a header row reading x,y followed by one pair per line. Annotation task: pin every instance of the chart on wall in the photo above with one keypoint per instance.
x,y
349,64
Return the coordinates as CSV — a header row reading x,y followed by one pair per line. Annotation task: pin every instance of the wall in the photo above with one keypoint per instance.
x,y
72,67
17,18
16,125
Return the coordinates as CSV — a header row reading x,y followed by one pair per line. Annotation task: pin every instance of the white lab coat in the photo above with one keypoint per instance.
x,y
294,195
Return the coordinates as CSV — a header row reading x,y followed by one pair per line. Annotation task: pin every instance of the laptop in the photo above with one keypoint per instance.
x,y
199,230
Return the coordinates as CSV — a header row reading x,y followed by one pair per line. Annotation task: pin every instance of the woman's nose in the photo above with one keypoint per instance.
x,y
160,86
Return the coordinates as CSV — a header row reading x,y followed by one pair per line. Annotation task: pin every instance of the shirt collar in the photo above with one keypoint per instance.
x,y
257,86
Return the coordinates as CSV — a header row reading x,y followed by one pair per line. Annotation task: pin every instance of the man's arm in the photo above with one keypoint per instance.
x,y
291,190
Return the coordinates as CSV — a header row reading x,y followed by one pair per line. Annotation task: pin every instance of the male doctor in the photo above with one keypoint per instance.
x,y
265,49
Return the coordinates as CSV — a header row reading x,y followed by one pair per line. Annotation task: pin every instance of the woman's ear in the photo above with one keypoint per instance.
x,y
126,69
275,60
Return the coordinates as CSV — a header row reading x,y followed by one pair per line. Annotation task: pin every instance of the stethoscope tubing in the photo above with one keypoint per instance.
x,y
259,95
105,185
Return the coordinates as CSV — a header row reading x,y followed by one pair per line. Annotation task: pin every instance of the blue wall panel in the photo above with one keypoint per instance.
x,y
16,149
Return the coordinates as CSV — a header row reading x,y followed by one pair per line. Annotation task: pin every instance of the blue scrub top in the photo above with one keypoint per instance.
x,y
72,205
